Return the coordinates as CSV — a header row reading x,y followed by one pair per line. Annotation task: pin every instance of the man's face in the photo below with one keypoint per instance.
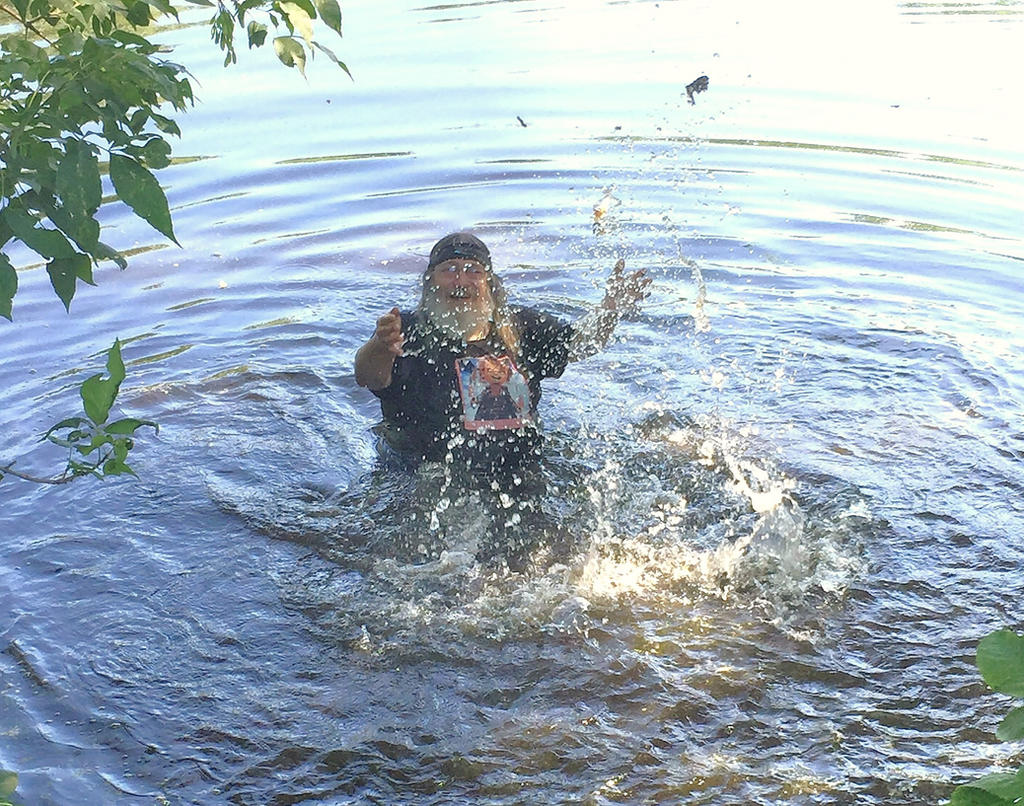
x,y
461,285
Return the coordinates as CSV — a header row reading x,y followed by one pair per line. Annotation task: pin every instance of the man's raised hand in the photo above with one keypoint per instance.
x,y
624,292
389,333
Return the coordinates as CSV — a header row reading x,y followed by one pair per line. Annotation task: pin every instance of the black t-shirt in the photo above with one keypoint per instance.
x,y
475,399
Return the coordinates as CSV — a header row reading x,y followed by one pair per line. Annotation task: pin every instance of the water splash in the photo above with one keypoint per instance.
x,y
710,521
663,513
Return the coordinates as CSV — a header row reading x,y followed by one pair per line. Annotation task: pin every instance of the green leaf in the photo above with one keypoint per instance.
x,y
138,119
290,52
257,33
185,92
300,20
165,124
83,231
8,783
330,55
8,286
70,422
83,269
98,393
81,469
138,188
95,442
305,5
222,29
98,396
1012,726
128,38
330,13
78,16
1001,662
129,425
103,252
115,364
35,57
78,180
64,274
157,153
164,7
968,796
116,467
47,242
121,448
1004,786
138,14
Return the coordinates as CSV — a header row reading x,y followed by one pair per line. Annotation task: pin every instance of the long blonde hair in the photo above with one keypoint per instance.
x,y
504,324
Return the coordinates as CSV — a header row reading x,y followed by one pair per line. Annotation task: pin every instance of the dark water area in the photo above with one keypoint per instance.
x,y
791,487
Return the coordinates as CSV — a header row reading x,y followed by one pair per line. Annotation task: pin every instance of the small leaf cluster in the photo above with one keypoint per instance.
x,y
1000,660
95,447
256,17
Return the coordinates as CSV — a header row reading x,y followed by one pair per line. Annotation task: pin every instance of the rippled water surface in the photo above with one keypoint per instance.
x,y
792,487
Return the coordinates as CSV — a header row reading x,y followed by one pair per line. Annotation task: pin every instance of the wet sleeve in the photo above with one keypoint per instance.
x,y
399,381
401,372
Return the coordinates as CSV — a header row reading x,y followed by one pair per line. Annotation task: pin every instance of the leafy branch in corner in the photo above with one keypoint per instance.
x,y
84,93
1001,663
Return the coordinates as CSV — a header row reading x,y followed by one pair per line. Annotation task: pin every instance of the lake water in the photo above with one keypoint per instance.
x,y
794,482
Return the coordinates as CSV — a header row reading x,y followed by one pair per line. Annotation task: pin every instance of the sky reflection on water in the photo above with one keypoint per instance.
x,y
798,472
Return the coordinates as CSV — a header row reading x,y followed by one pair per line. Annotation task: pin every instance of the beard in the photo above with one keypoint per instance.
x,y
462,318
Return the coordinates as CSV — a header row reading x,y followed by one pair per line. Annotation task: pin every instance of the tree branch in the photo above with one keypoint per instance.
x,y
28,24
66,477
9,470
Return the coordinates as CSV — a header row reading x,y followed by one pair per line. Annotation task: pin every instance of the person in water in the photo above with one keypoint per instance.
x,y
446,373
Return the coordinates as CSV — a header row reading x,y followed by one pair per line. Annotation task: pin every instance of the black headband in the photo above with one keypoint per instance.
x,y
456,245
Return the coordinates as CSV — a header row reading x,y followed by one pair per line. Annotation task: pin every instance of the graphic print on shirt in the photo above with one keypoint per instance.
x,y
495,394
